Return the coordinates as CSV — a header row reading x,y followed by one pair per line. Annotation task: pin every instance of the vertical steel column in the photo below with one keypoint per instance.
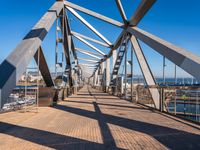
x,y
96,73
56,48
38,70
107,74
175,79
76,77
125,65
164,69
114,55
122,85
131,72
103,75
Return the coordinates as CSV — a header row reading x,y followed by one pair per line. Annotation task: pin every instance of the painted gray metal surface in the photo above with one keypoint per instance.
x,y
17,61
94,14
107,72
89,44
89,25
90,39
44,69
142,9
179,56
86,53
89,52
89,60
121,10
146,71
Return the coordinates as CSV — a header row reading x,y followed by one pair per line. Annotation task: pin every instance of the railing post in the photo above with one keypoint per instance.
x,y
114,55
107,74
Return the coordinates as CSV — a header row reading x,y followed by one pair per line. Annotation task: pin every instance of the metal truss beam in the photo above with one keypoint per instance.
x,y
121,10
67,43
117,44
89,60
15,64
89,25
182,58
90,39
88,65
142,9
44,69
66,38
146,71
94,14
83,52
73,49
89,52
90,45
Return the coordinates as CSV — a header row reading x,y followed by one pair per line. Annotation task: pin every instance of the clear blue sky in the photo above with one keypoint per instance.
x,y
173,20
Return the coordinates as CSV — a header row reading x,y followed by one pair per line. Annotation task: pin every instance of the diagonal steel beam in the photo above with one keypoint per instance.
x,y
15,64
90,52
67,43
90,39
88,64
121,10
89,44
142,9
83,52
94,14
117,44
73,49
89,25
66,38
146,71
44,69
89,60
182,58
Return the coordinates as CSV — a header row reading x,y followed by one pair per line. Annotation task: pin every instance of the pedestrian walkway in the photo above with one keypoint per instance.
x,y
94,120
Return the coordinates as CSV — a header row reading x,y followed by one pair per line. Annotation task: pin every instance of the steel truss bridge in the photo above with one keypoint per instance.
x,y
96,71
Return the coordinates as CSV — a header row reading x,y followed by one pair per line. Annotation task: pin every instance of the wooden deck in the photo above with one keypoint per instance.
x,y
95,120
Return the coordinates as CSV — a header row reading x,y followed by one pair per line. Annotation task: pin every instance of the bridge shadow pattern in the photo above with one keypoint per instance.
x,y
171,138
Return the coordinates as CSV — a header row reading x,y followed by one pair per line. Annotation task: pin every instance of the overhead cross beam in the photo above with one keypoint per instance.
x,y
142,9
89,38
86,53
88,25
121,10
94,14
96,54
89,60
89,44
88,64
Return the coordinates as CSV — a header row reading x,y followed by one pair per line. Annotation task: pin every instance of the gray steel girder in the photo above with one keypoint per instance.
x,y
15,64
